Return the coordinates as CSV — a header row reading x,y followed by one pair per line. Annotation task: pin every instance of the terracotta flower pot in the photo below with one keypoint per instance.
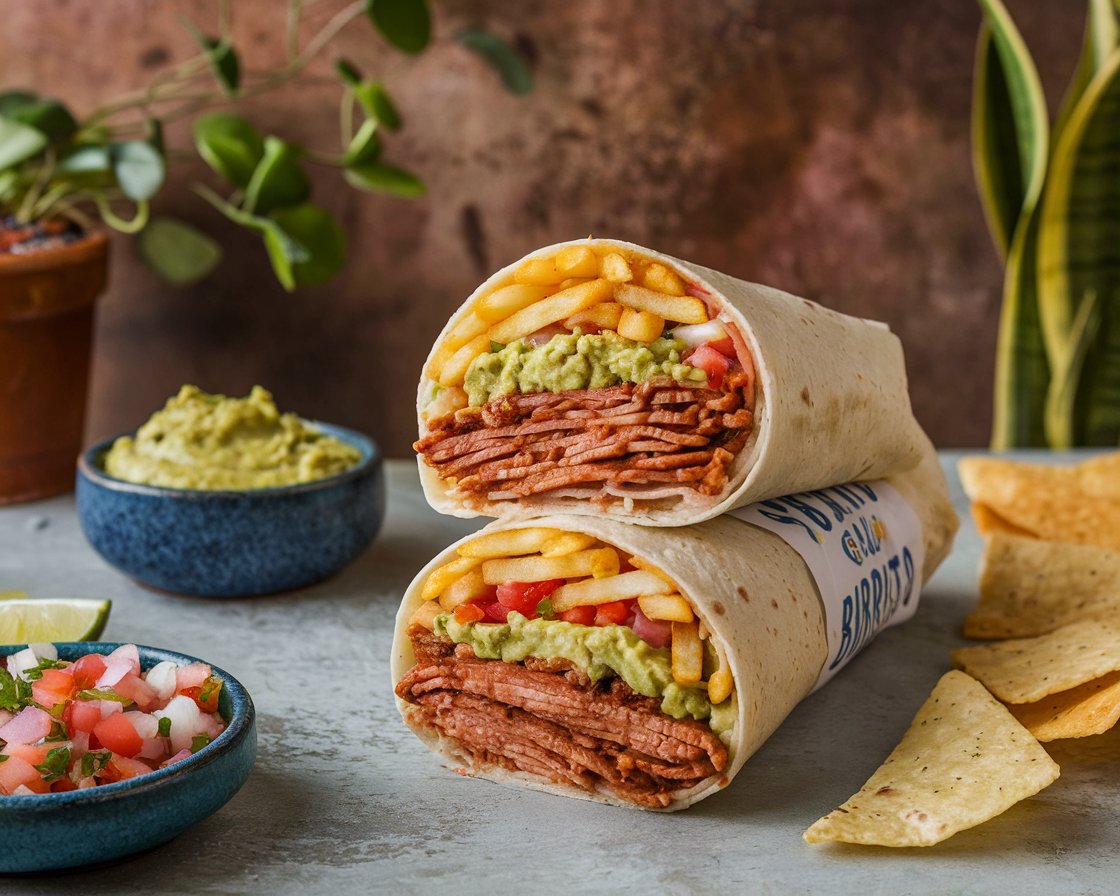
x,y
46,327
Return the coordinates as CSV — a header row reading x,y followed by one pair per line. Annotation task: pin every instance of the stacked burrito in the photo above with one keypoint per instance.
x,y
709,495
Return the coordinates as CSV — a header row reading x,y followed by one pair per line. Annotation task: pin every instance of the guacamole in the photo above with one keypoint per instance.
x,y
575,361
211,442
598,651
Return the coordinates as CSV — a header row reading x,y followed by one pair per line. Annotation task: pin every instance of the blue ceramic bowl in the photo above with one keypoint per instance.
x,y
51,831
233,543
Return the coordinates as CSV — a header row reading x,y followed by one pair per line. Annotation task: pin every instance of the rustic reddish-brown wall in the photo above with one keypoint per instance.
x,y
817,145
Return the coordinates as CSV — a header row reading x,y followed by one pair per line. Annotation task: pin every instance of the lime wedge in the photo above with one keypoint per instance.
x,y
24,621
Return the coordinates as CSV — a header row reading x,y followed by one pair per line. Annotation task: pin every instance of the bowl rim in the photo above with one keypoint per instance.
x,y
89,468
241,722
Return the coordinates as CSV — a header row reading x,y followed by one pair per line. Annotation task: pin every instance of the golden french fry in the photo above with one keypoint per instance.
x,y
577,261
605,562
682,309
604,315
539,569
660,279
455,370
501,303
720,685
441,579
439,358
470,327
464,589
641,326
574,281
426,614
615,268
605,590
642,563
510,543
687,653
548,311
539,272
566,543
667,607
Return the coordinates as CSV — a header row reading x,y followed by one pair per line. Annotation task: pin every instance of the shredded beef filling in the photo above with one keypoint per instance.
x,y
545,717
657,432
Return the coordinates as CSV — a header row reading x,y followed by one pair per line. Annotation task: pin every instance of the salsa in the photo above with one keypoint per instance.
x,y
99,719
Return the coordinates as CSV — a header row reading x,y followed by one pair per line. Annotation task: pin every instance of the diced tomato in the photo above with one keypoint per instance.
x,y
712,362
494,611
126,767
212,687
82,715
584,615
134,688
87,670
524,596
614,613
465,613
62,785
191,676
17,771
56,686
116,733
726,347
36,754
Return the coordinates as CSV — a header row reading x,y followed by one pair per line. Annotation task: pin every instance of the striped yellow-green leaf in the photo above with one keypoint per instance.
x,y
1101,37
1010,137
1079,252
1066,367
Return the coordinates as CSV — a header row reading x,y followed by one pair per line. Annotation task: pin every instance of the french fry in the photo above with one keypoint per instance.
x,y
574,281
687,652
683,309
470,327
720,685
660,279
615,268
510,543
439,358
548,311
667,607
606,590
642,563
501,303
539,272
455,370
442,579
566,543
577,261
464,589
426,614
605,316
641,326
539,569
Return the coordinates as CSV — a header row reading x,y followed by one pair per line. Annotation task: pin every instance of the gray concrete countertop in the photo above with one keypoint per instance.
x,y
343,799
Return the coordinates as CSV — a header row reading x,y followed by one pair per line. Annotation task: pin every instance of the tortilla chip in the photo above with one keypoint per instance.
x,y
1030,587
1077,503
1091,708
1027,669
963,760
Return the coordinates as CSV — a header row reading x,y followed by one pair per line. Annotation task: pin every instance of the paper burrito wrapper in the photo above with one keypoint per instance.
x,y
752,591
830,404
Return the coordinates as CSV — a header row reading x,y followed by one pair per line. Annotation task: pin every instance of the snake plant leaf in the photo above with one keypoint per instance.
x,y
377,177
19,142
406,24
230,145
1079,250
1068,362
180,253
1101,37
305,245
138,167
506,61
1010,133
375,102
278,180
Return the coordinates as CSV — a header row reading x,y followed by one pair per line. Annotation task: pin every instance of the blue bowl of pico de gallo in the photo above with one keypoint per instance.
x,y
206,729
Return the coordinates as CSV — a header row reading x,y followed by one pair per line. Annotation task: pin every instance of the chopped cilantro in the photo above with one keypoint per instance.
x,y
3,757
165,726
36,672
15,693
495,347
544,608
94,761
102,694
199,741
55,765
58,731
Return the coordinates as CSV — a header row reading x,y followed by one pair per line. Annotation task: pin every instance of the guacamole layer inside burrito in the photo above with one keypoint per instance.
x,y
593,374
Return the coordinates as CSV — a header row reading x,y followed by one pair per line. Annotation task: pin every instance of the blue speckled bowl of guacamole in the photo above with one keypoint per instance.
x,y
233,543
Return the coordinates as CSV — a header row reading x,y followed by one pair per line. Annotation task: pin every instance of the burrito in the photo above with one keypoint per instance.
x,y
598,377
643,666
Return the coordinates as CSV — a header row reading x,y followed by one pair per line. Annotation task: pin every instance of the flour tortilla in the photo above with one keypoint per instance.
x,y
831,403
752,591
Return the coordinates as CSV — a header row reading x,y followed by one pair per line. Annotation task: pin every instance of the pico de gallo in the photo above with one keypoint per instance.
x,y
99,719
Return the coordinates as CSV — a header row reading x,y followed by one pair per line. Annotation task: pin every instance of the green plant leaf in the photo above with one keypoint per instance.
x,y
86,159
1010,133
221,56
138,167
347,72
406,24
365,146
48,116
18,142
375,102
1061,398
506,61
180,253
1079,251
11,100
278,180
380,178
230,145
154,134
305,245
1101,38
